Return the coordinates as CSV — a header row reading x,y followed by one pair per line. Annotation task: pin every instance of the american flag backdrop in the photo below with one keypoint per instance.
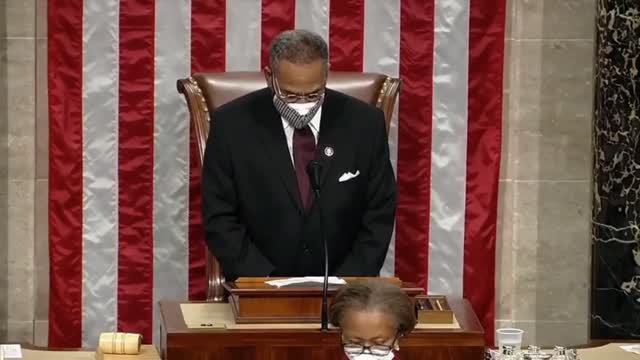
x,y
124,206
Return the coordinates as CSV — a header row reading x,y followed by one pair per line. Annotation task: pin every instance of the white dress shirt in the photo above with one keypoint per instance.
x,y
288,131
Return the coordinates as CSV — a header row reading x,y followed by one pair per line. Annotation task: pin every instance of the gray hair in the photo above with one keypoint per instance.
x,y
374,295
298,47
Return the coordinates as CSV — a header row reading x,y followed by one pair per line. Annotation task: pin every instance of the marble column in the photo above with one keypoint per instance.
x,y
544,263
615,309
17,168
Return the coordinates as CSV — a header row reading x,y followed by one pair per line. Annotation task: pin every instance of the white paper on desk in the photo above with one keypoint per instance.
x,y
10,351
631,348
333,280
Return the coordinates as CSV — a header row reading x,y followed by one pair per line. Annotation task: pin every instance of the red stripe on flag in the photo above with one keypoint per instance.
x,y
197,250
414,141
277,16
208,28
486,55
65,172
346,35
135,167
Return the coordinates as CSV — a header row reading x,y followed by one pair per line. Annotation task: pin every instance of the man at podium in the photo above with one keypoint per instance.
x,y
260,215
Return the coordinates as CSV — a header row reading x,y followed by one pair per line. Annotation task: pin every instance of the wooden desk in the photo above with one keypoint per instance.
x,y
606,352
30,352
255,302
177,341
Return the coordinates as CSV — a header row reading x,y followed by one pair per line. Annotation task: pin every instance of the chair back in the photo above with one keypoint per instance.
x,y
204,92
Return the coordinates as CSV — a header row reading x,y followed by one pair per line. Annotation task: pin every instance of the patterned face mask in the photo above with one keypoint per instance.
x,y
368,356
297,115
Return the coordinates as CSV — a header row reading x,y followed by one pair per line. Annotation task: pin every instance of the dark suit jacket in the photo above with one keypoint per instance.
x,y
252,215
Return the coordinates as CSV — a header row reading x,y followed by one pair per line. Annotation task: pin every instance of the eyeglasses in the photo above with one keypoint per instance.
x,y
376,350
293,98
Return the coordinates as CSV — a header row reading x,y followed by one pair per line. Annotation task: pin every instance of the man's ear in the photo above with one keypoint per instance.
x,y
326,73
267,75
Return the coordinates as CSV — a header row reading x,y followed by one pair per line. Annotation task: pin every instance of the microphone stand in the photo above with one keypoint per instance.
x,y
313,170
325,285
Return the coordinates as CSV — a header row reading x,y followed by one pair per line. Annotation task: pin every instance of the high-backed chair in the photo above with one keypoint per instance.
x,y
205,92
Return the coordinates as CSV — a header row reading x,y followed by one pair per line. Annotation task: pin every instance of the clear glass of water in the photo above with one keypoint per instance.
x,y
509,336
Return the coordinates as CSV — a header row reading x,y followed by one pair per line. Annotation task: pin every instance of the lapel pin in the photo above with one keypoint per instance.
x,y
328,151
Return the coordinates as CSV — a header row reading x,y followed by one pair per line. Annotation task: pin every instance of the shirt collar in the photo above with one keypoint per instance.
x,y
314,124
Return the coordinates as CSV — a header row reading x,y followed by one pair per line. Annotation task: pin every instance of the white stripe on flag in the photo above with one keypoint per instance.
x,y
171,156
313,15
449,147
100,165
243,39
382,55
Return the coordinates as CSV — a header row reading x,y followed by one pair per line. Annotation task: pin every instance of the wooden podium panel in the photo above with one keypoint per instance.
x,y
181,342
253,301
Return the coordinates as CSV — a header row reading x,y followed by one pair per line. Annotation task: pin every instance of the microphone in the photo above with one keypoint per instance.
x,y
314,168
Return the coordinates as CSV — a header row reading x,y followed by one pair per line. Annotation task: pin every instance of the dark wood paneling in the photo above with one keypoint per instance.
x,y
181,343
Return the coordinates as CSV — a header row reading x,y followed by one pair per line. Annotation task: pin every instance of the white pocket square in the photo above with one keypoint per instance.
x,y
348,176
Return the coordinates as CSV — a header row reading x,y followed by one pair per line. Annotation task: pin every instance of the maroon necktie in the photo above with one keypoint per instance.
x,y
304,147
